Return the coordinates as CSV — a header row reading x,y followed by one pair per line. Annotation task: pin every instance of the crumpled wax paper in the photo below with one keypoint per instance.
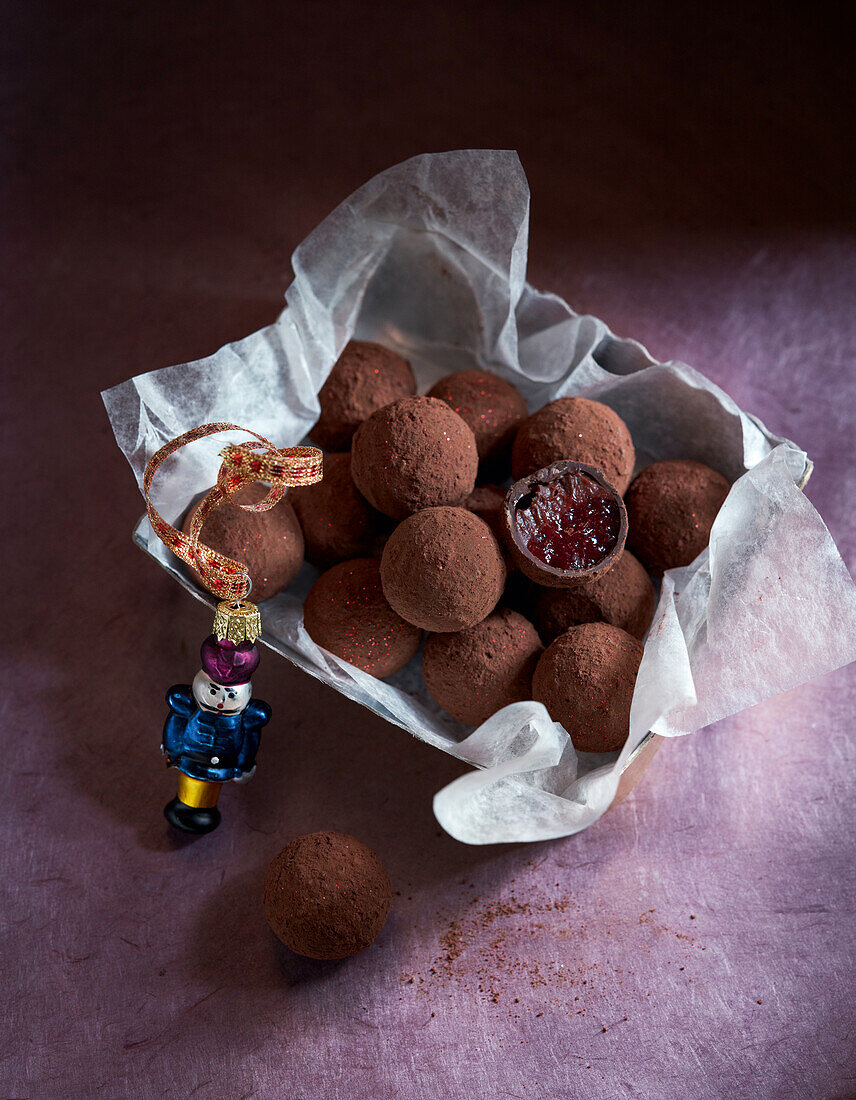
x,y
429,258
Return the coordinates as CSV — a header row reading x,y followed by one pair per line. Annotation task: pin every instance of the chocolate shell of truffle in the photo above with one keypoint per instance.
x,y
474,673
623,597
365,378
326,895
671,507
442,569
564,524
415,453
575,428
585,679
337,521
346,613
491,407
270,543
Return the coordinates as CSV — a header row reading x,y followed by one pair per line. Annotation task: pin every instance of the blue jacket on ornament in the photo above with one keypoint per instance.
x,y
206,745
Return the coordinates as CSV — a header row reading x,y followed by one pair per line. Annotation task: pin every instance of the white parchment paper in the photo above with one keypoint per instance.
x,y
429,258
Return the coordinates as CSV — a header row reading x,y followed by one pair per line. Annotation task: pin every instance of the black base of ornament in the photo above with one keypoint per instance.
x,y
189,819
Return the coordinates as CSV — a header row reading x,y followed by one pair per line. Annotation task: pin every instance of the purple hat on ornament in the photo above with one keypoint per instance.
x,y
228,663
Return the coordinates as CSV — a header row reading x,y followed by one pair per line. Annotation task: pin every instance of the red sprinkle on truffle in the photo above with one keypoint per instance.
x,y
492,407
365,378
338,522
346,613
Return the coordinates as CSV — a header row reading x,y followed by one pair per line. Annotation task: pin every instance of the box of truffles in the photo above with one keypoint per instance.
x,y
534,547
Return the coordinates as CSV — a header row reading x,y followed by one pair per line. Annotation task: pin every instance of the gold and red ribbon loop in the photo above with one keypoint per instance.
x,y
243,464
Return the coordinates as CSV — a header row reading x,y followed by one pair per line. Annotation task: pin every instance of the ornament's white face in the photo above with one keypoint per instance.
x,y
224,700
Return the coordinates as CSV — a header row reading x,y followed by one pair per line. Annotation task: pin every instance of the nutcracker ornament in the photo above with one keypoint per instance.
x,y
212,733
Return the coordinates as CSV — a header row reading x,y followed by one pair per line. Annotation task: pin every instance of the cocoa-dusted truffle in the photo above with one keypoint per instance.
x,y
671,507
492,408
564,524
347,614
365,378
579,429
415,453
585,679
338,522
327,895
270,543
474,673
442,569
624,597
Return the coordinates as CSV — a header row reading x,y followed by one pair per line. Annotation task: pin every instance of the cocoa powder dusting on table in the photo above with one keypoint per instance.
x,y
483,952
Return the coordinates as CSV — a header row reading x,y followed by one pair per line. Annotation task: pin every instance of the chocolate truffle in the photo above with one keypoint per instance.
x,y
491,407
338,522
474,673
415,453
623,597
270,543
564,524
579,429
442,569
671,507
327,895
365,378
347,614
585,679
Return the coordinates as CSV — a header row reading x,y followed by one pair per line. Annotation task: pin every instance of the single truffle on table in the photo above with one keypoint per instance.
x,y
475,672
365,378
442,569
327,895
269,543
575,428
346,613
492,408
337,521
671,508
564,524
623,597
585,679
415,453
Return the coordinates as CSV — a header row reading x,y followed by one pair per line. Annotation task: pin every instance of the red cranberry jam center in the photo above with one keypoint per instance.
x,y
570,523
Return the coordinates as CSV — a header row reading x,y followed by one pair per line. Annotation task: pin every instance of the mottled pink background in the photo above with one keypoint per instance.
x,y
692,185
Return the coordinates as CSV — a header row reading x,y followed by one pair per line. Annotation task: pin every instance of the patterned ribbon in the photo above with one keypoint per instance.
x,y
243,464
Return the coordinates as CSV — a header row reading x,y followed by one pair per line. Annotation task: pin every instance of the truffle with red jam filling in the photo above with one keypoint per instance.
x,y
415,453
326,895
671,507
346,613
585,679
578,429
365,378
337,521
492,408
269,543
564,524
623,597
442,569
473,673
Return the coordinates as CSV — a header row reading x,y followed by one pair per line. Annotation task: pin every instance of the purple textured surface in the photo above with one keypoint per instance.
x,y
692,186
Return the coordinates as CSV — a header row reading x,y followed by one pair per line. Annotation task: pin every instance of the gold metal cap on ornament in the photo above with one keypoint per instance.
x,y
237,620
